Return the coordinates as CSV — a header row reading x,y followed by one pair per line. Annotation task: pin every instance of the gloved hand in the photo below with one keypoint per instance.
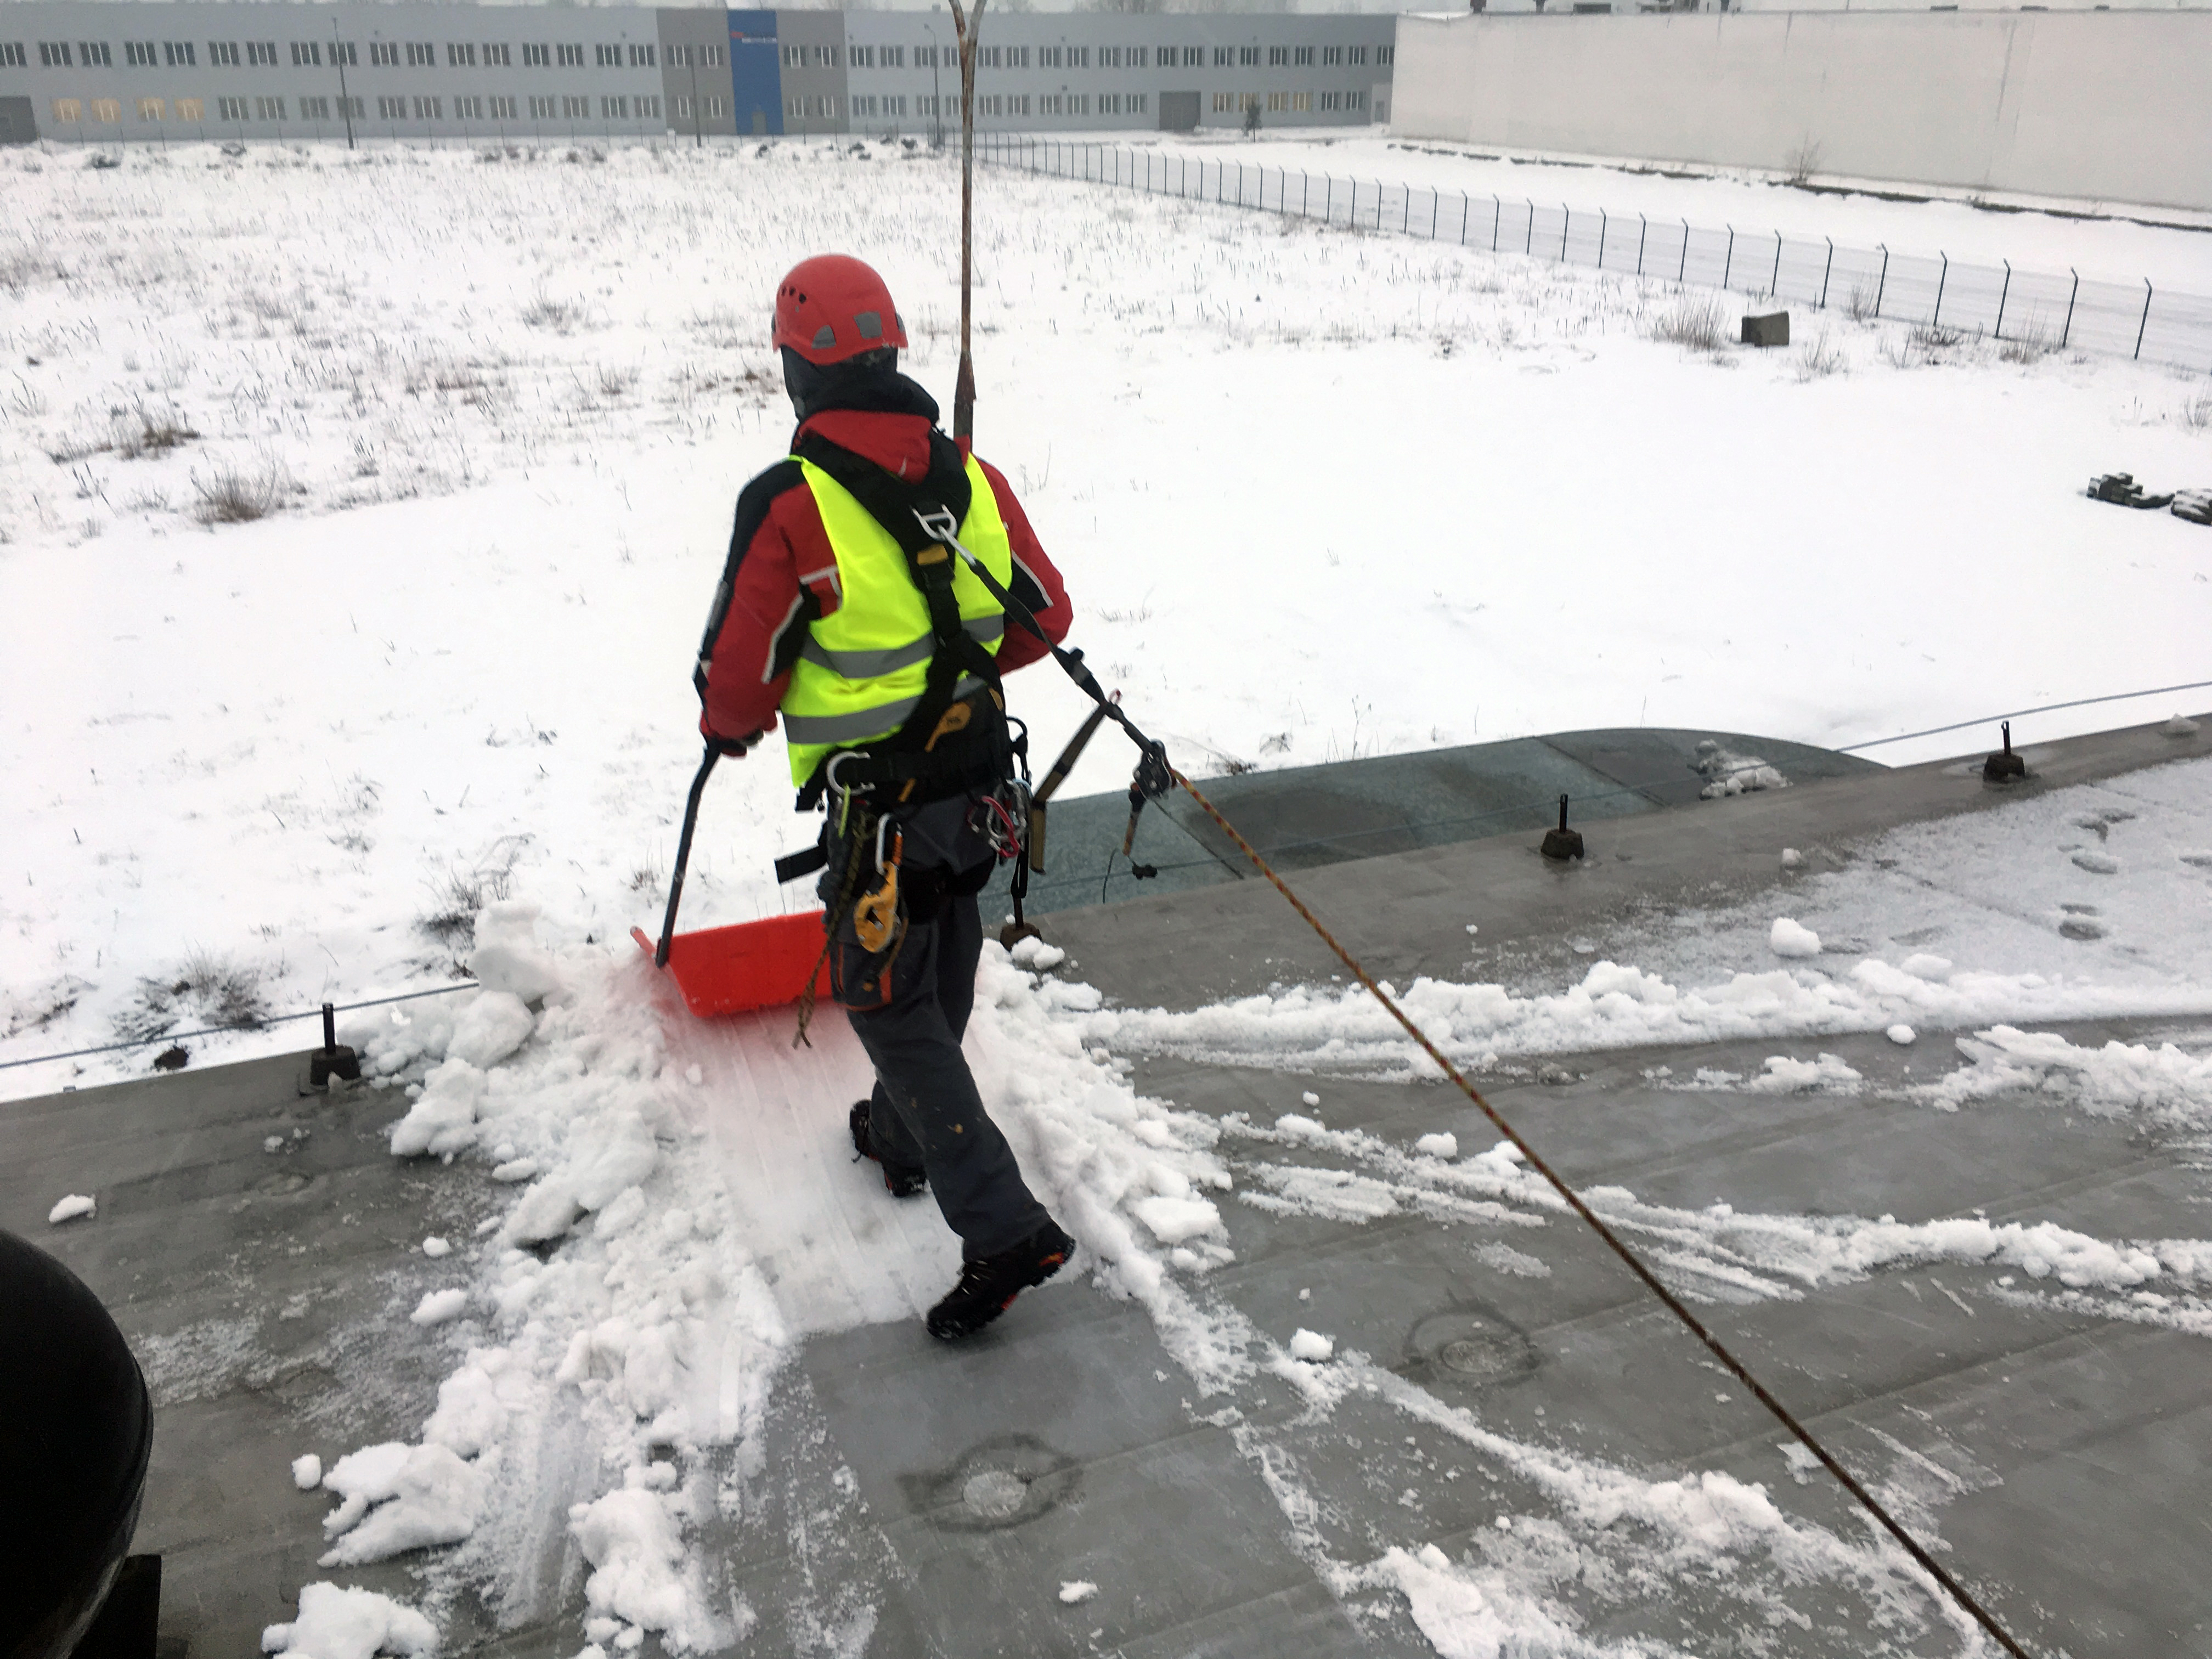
x,y
732,747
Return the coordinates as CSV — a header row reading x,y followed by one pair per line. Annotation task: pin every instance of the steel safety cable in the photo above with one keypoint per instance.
x,y
1934,1569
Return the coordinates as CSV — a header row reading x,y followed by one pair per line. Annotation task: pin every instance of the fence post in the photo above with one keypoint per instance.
x,y
1827,271
1378,204
1643,230
1683,265
1774,282
1603,223
1434,195
2002,294
1462,218
1305,193
1882,285
1943,277
1496,215
1529,246
1567,218
2145,324
1406,218
2067,333
1727,267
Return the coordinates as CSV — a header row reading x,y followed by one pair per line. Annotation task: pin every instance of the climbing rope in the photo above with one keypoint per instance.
x,y
1957,1591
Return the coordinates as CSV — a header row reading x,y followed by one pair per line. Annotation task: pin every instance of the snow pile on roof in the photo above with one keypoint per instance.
x,y
350,1623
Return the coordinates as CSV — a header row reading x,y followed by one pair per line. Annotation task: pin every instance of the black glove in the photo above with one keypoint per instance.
x,y
734,746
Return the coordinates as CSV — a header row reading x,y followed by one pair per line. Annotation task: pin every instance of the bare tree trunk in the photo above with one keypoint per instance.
x,y
964,26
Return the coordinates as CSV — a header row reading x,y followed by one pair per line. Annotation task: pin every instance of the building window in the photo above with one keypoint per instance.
x,y
570,56
793,57
92,54
223,53
11,55
986,58
387,109
136,53
421,54
825,56
269,109
864,108
1051,103
383,52
54,54
649,109
718,57
864,57
894,57
429,109
341,51
717,108
541,109
1078,57
314,109
149,109
1355,101
68,109
536,56
109,110
1328,100
230,109
1247,56
682,108
502,109
925,58
1222,102
1050,57
1332,55
1139,102
1224,56
576,109
614,109
191,109
1359,55
1386,56
1137,55
468,109
1277,57
1109,57
605,56
1194,56
306,52
460,55
1302,58
642,57
349,106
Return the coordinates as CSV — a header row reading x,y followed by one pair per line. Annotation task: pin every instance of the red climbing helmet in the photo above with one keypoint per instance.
x,y
832,306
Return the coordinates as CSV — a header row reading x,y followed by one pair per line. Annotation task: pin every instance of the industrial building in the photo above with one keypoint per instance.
x,y
100,72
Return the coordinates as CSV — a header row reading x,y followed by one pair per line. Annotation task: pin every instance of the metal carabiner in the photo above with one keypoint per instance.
x,y
844,795
939,526
886,826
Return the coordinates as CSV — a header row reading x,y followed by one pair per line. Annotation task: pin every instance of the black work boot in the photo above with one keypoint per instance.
x,y
989,1283
902,1180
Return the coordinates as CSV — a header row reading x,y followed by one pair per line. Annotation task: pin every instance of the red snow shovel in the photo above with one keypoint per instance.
x,y
751,965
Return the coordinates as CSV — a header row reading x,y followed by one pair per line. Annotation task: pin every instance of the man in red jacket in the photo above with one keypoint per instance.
x,y
883,655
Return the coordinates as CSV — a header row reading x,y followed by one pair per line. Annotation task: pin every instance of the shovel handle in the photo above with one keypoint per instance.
x,y
684,854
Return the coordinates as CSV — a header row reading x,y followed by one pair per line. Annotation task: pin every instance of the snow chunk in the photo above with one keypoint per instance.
x,y
1901,1035
308,1472
1921,965
435,1246
1072,1590
443,1119
1791,858
1172,1220
508,957
70,1209
470,1413
1786,1076
1311,1344
436,1307
1310,1098
607,1155
1459,1620
1437,1145
424,1494
350,1623
490,1029
1788,938
631,1539
1036,955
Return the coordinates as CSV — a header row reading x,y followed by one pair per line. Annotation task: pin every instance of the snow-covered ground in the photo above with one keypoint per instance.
x,y
685,1213
1317,494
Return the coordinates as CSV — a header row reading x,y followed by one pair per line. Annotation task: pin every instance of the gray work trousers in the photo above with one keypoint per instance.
x,y
925,1110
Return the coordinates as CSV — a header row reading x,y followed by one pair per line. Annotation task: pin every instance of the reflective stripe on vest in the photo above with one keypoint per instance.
x,y
862,669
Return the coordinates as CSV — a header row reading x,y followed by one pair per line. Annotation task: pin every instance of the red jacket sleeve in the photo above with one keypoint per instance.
x,y
1037,583
780,576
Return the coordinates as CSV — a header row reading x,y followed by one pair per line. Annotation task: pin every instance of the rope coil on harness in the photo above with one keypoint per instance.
x,y
1154,776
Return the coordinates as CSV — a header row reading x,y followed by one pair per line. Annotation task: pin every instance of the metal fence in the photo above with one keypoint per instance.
x,y
2005,302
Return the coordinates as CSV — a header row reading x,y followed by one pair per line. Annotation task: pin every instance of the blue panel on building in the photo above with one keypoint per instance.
x,y
756,81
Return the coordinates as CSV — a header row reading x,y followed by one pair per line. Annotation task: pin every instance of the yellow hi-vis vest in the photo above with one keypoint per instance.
x,y
862,668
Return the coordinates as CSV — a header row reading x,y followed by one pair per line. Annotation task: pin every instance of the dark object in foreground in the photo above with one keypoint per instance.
x,y
2194,505
130,1619
2004,766
1562,843
988,1285
77,1433
1771,329
2121,489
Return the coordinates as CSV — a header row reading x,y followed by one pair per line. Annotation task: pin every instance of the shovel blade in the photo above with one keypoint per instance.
x,y
751,965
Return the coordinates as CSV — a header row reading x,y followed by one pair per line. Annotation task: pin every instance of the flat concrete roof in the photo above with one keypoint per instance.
x,y
2062,1455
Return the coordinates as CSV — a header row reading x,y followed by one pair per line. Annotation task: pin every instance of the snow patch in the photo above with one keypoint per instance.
x,y
1788,938
350,1623
76,1205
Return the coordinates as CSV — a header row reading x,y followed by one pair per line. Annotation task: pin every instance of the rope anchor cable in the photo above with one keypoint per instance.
x,y
1154,776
